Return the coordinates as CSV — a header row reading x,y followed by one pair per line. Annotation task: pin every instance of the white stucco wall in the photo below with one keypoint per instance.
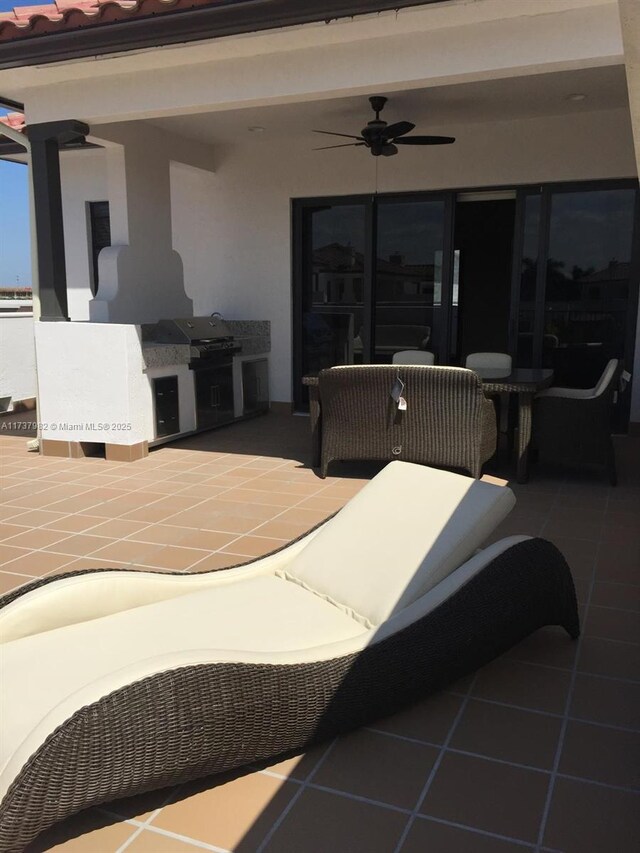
x,y
84,179
17,357
91,384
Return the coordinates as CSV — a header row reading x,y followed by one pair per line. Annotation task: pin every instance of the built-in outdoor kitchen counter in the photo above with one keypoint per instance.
x,y
205,372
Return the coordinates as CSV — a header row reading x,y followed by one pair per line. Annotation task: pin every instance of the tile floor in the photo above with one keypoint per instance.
x,y
537,751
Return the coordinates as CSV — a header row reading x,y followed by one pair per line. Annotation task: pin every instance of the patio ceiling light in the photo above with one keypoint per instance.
x,y
576,96
256,128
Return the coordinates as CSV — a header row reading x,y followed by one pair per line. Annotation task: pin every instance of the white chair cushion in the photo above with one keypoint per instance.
x,y
584,393
264,614
402,534
413,356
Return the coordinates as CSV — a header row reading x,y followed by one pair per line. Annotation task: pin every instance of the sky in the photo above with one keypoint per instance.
x,y
15,257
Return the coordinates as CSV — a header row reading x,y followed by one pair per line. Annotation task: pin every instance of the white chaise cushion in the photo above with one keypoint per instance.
x,y
263,614
407,529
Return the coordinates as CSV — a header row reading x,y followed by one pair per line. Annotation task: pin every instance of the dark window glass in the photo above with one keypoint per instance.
x,y
408,276
333,294
587,282
528,273
100,234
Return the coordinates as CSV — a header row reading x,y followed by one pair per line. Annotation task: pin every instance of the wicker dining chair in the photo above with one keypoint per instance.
x,y
573,425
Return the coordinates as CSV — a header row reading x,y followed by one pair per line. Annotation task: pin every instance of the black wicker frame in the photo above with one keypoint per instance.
x,y
190,722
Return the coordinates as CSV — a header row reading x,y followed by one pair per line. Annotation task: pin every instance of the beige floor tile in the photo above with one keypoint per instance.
x,y
523,737
378,767
617,565
601,700
253,546
80,544
550,646
218,561
9,553
207,540
153,842
427,836
607,657
495,797
158,534
235,815
579,554
320,822
73,523
587,818
277,529
37,563
429,720
527,685
7,531
9,581
620,596
171,557
36,539
271,498
621,625
601,754
150,514
116,528
225,523
125,551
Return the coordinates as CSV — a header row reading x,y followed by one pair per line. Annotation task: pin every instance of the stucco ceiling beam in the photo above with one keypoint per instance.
x,y
586,37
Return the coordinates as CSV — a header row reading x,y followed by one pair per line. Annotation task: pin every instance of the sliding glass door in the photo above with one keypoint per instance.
x,y
374,275
575,290
409,300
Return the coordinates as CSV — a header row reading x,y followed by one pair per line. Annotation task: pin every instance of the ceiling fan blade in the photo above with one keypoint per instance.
x,y
389,150
344,145
331,133
425,140
398,129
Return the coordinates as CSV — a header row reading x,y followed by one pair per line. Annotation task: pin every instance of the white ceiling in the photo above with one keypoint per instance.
x,y
491,100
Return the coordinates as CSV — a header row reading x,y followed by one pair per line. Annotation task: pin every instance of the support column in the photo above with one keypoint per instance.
x,y
45,142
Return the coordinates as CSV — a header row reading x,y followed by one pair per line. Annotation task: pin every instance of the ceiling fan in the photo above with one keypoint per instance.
x,y
382,138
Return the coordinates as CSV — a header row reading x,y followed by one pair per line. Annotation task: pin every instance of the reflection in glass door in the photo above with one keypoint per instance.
x,y
587,282
408,306
334,268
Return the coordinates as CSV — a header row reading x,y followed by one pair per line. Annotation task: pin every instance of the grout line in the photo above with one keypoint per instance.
x,y
294,799
567,707
185,839
142,824
436,766
477,831
284,464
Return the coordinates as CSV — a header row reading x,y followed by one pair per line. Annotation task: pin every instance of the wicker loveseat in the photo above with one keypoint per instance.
x,y
448,420
119,682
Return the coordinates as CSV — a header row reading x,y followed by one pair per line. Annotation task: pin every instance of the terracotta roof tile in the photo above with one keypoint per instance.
x,y
61,15
15,121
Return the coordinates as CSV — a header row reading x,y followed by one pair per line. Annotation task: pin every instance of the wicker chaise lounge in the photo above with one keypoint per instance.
x,y
120,682
448,421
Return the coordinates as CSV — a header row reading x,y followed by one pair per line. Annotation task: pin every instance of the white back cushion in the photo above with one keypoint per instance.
x,y
413,356
497,360
402,534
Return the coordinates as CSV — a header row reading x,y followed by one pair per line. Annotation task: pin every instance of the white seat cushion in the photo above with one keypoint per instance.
x,y
264,614
402,534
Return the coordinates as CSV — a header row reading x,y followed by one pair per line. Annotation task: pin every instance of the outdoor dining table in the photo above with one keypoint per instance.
x,y
523,381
